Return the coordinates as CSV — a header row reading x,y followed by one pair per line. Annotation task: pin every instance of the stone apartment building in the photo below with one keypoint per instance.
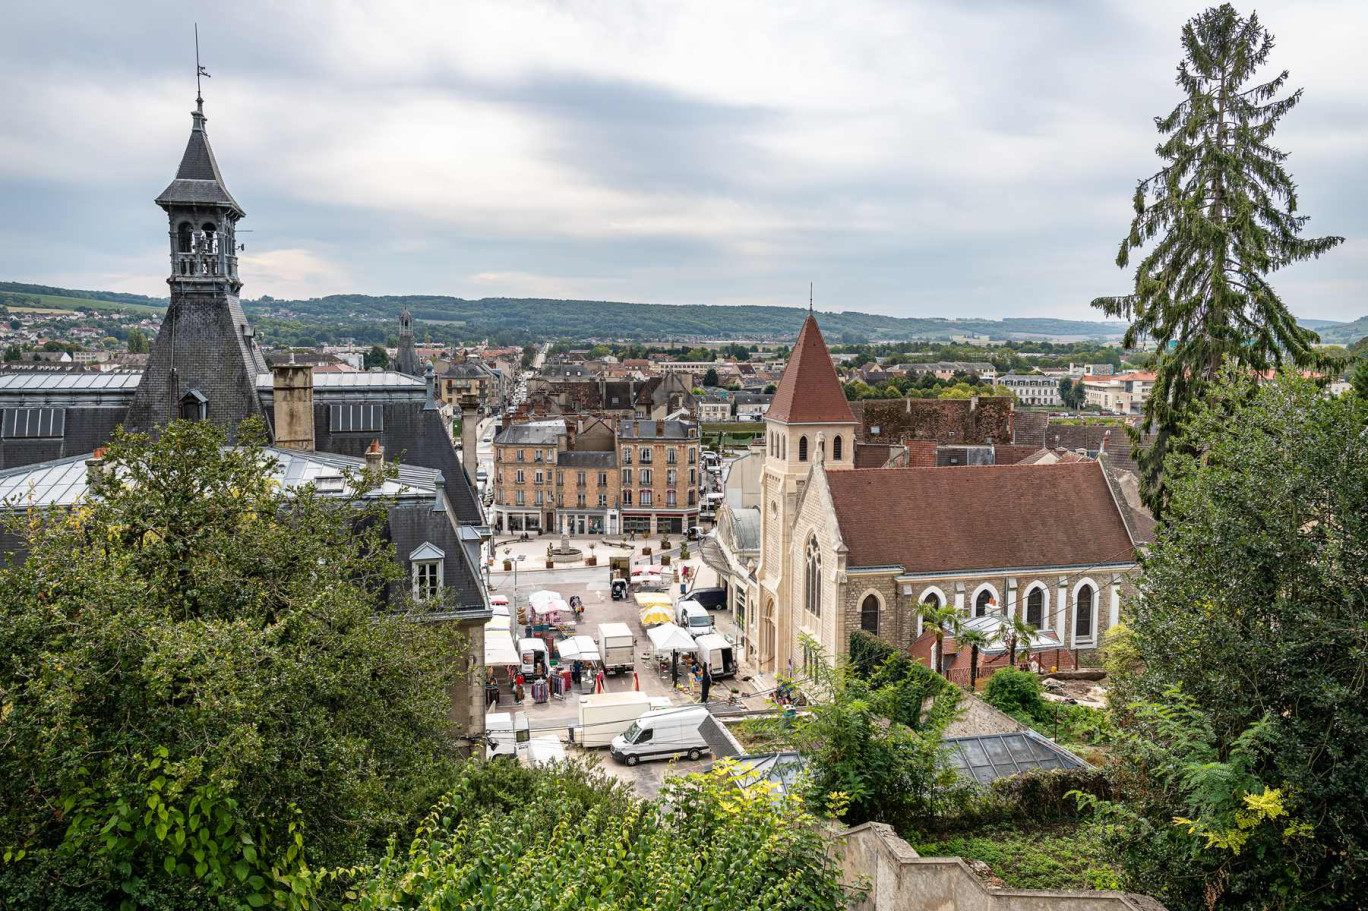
x,y
659,464
1033,389
588,477
1122,393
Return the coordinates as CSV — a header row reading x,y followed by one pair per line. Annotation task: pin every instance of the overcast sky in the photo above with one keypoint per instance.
x,y
915,159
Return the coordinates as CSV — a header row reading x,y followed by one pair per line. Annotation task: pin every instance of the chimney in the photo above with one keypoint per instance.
x,y
375,456
95,467
973,403
439,498
660,428
292,394
1106,435
470,417
430,377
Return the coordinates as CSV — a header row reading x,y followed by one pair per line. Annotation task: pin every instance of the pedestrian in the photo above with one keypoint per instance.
x,y
518,689
697,677
707,682
575,672
674,669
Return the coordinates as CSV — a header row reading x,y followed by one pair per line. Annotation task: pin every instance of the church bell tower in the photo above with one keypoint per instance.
x,y
205,361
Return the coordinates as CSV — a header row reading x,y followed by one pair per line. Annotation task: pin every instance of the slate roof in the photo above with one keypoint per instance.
x,y
975,518
987,757
198,181
530,434
586,459
809,391
646,430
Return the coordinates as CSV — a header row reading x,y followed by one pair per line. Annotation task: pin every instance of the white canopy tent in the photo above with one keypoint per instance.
x,y
577,648
499,648
667,637
544,595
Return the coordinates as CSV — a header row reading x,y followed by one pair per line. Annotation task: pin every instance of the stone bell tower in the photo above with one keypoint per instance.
x,y
205,362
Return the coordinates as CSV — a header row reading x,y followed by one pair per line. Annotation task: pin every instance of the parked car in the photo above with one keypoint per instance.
x,y
710,598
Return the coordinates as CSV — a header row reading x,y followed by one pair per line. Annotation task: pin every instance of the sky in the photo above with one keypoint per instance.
x,y
911,159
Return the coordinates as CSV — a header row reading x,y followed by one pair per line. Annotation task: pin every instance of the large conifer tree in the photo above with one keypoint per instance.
x,y
1223,213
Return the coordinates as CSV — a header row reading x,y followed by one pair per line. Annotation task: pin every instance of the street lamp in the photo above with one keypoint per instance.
x,y
516,560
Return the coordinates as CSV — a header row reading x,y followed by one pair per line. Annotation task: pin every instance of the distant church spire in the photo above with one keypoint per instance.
x,y
408,354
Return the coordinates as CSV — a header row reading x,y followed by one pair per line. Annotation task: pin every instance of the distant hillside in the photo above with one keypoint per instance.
x,y
66,299
1339,333
582,319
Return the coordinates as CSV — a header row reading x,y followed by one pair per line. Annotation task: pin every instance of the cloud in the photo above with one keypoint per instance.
x,y
295,274
915,158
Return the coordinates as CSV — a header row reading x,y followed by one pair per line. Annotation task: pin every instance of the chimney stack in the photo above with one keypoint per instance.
x,y
95,467
292,395
660,428
375,456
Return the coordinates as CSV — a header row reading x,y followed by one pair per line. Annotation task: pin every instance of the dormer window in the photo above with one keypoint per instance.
x,y
427,562
194,406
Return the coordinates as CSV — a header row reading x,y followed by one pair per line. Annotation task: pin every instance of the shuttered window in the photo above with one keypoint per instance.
x,y
356,418
33,423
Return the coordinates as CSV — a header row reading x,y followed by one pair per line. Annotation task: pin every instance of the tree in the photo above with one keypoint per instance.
x,y
1358,379
1250,695
710,377
376,357
977,640
137,341
506,838
202,684
13,353
1072,393
771,389
1016,633
941,618
1224,212
866,762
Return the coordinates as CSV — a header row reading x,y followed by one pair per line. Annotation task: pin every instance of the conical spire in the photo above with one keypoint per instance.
x,y
198,181
810,392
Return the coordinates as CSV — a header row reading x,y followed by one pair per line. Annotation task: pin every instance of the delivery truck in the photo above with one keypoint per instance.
x,y
616,647
717,655
603,716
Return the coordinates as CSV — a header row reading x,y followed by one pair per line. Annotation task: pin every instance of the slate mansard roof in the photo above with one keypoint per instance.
x,y
980,518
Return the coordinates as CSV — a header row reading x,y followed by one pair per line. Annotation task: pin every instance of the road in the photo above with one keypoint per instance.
x,y
485,450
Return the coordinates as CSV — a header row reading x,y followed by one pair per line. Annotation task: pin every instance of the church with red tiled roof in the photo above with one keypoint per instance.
x,y
844,547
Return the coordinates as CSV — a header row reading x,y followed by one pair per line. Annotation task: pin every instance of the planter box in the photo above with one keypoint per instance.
x,y
591,561
508,566
665,560
646,551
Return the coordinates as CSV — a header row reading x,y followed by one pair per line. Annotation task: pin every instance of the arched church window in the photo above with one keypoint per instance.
x,y
836,449
183,237
812,587
869,614
802,449
983,603
210,237
1083,613
1035,607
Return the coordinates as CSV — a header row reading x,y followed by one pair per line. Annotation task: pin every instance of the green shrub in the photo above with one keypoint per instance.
x,y
508,838
1017,693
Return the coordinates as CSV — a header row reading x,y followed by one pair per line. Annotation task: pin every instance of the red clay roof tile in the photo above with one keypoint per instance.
x,y
966,518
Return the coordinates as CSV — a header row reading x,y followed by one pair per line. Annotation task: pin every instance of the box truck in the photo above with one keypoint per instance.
x,y
616,647
603,716
663,734
717,654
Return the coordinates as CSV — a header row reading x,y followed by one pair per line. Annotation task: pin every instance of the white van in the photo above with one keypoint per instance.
x,y
717,654
663,734
693,617
529,650
503,732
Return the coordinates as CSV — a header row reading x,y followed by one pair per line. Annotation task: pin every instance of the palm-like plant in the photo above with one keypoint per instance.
x,y
1016,634
976,639
942,618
